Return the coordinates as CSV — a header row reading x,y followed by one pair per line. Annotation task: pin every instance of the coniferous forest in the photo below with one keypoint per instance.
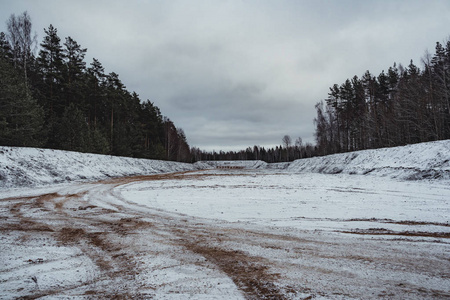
x,y
404,105
54,99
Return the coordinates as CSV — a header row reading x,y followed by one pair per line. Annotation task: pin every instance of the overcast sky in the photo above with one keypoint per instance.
x,y
238,73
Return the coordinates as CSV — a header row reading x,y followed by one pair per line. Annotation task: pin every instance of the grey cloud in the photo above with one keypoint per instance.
x,y
239,73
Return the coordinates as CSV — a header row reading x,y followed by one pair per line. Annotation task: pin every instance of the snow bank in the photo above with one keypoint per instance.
x,y
419,161
35,167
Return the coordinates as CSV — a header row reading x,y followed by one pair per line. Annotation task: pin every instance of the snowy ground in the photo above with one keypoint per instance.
x,y
304,201
273,232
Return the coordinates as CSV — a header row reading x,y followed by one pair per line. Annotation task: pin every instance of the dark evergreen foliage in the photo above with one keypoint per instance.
x,y
21,118
61,104
278,154
402,106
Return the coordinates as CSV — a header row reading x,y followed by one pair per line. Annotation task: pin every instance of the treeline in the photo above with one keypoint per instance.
x,y
403,106
283,153
54,100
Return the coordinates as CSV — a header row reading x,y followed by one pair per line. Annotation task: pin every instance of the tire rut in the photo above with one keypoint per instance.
x,y
254,259
249,275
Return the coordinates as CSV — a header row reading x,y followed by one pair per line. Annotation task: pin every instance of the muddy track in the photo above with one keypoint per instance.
x,y
125,241
96,231
248,273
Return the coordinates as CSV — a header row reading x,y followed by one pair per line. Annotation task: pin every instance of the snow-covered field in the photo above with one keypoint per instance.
x,y
304,201
284,231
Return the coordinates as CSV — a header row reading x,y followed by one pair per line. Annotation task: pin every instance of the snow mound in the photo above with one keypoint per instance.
x,y
412,162
21,167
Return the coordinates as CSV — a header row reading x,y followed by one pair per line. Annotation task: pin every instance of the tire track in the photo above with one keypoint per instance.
x,y
131,245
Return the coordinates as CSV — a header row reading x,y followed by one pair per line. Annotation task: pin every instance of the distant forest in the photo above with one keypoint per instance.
x,y
54,100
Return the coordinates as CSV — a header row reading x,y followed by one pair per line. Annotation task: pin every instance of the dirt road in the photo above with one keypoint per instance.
x,y
89,241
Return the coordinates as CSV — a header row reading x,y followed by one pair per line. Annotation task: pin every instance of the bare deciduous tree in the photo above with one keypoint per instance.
x,y
299,144
23,42
287,141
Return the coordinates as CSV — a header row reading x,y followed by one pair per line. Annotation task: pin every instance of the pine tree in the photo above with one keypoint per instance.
x,y
51,67
95,94
75,69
